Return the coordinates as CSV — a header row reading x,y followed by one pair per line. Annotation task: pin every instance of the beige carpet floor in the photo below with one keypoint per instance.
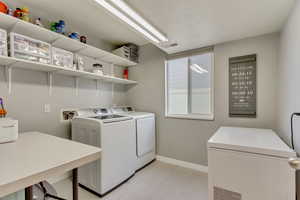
x,y
158,181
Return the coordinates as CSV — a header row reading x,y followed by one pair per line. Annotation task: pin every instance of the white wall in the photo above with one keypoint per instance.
x,y
186,139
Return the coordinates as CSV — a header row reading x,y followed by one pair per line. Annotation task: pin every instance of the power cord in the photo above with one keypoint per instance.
x,y
292,128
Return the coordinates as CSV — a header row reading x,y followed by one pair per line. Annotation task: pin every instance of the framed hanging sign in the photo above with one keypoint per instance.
x,y
242,86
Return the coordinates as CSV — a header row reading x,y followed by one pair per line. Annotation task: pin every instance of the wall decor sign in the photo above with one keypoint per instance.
x,y
242,86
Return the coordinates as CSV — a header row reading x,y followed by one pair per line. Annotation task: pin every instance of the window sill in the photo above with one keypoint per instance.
x,y
192,116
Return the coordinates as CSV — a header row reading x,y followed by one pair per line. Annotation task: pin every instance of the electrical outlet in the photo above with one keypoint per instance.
x,y
47,108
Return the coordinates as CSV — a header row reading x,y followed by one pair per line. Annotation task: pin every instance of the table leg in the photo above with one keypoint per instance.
x,y
75,184
28,193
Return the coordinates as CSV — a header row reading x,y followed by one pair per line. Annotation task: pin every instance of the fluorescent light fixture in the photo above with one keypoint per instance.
x,y
134,15
196,68
123,17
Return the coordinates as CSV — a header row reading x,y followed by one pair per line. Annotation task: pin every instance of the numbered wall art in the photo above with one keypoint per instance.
x,y
242,86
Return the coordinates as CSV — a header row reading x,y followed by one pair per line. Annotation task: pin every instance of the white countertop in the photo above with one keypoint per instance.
x,y
261,141
36,157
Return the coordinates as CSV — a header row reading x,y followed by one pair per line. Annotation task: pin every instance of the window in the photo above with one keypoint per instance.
x,y
189,87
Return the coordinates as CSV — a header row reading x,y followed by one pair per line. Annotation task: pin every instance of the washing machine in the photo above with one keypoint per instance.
x,y
115,135
249,164
145,137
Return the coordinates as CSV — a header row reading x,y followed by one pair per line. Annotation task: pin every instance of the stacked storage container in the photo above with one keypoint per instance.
x,y
3,42
29,49
134,52
123,52
129,51
62,58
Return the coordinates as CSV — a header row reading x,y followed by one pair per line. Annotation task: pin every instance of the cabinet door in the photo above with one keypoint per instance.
x,y
145,135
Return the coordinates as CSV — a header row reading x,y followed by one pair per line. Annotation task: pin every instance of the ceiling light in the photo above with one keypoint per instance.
x,y
134,15
196,68
126,19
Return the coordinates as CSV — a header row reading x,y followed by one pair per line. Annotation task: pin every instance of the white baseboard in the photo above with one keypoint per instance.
x,y
59,178
197,167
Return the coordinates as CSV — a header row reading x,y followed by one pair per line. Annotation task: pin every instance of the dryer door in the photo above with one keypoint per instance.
x,y
145,135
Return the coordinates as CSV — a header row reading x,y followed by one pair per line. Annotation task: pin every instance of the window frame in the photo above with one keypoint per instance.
x,y
210,116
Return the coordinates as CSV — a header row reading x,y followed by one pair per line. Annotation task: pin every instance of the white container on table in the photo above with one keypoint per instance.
x,y
8,130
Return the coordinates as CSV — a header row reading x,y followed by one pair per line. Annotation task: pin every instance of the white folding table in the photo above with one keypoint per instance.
x,y
35,157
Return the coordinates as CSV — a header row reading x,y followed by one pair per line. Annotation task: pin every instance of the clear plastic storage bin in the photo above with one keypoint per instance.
x,y
63,58
3,42
29,49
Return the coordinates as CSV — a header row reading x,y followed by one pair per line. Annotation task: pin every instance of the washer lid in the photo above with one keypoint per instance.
x,y
111,118
260,141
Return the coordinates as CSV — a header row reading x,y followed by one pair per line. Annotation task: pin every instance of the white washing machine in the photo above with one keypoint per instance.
x,y
145,134
249,164
115,135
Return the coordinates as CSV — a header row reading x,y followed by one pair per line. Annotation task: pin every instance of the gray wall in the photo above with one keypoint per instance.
x,y
186,139
288,79
30,93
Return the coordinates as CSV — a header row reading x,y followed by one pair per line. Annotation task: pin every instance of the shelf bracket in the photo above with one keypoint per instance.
x,y
98,87
50,82
112,69
8,71
112,93
76,85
